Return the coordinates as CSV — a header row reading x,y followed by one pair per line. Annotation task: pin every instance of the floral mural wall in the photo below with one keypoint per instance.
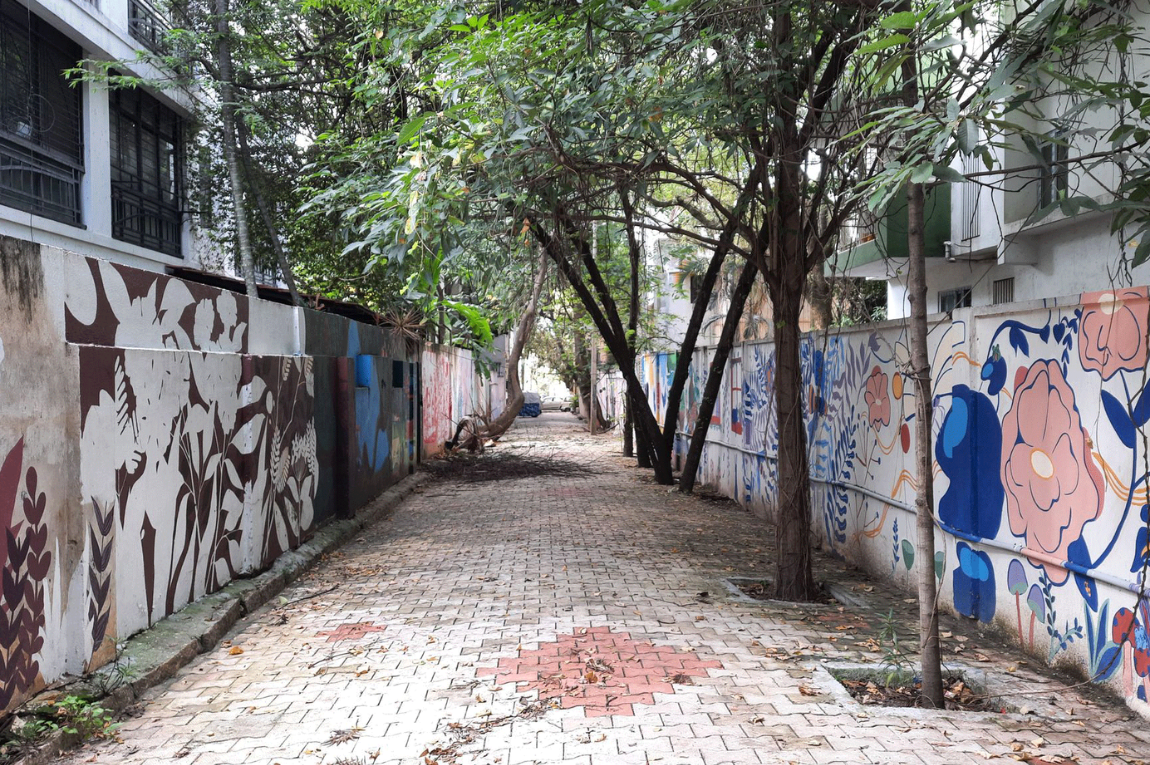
x,y
158,439
1040,466
199,458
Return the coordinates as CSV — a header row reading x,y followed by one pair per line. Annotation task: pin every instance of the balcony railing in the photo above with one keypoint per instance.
x,y
147,26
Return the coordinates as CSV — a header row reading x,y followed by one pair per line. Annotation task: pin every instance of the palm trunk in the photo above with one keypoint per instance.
x,y
231,158
715,376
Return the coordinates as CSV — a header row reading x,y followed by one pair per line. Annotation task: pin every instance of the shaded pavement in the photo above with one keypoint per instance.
x,y
582,618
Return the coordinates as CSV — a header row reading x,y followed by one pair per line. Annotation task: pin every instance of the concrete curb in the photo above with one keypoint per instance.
x,y
156,654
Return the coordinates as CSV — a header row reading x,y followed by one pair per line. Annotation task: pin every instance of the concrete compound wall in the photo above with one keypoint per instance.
x,y
1040,465
159,438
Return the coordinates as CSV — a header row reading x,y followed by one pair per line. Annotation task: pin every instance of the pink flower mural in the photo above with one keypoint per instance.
x,y
1052,485
877,399
1112,333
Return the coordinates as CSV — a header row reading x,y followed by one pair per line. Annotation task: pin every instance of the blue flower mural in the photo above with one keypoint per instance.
x,y
974,584
969,450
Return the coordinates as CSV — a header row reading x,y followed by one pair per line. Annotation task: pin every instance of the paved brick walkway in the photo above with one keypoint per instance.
x,y
564,620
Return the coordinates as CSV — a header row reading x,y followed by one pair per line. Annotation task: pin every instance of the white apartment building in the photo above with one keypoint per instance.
x,y
85,168
984,245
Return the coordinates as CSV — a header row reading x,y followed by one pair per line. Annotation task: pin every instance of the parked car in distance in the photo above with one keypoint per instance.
x,y
531,405
556,404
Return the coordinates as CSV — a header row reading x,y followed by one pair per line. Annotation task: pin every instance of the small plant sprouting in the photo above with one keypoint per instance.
x,y
899,664
117,673
79,716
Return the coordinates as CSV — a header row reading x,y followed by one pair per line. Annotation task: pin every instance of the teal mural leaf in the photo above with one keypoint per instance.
x,y
907,554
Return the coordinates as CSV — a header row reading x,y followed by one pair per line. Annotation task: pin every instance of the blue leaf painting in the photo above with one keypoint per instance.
x,y
1119,419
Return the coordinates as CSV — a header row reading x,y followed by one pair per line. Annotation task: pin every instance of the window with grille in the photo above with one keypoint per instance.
x,y
147,169
951,299
1055,181
1003,290
970,189
41,144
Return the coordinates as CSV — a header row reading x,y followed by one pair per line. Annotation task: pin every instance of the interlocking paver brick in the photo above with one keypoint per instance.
x,y
462,630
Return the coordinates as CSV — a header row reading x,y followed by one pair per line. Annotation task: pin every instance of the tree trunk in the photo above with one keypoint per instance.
x,y
699,312
441,323
715,376
929,648
635,256
607,321
794,579
628,429
266,214
820,292
932,690
500,424
228,115
642,445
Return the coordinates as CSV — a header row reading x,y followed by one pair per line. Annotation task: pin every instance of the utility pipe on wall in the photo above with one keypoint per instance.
x,y
1015,548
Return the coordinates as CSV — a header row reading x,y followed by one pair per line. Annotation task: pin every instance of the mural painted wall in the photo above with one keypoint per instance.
x,y
1040,466
44,591
159,438
453,388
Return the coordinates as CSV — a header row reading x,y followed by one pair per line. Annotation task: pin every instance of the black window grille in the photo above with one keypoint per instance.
x,y
147,26
147,171
1054,183
970,193
266,274
41,139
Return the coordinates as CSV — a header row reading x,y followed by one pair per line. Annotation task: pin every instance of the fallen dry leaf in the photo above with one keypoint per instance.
x,y
235,650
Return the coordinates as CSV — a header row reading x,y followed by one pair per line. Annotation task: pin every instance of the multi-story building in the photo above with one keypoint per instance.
x,y
987,243
83,167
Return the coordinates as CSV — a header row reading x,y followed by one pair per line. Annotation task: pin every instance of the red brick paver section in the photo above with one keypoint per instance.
x,y
351,631
474,581
602,671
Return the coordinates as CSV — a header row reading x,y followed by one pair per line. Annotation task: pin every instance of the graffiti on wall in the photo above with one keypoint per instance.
x,y
1040,469
436,401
